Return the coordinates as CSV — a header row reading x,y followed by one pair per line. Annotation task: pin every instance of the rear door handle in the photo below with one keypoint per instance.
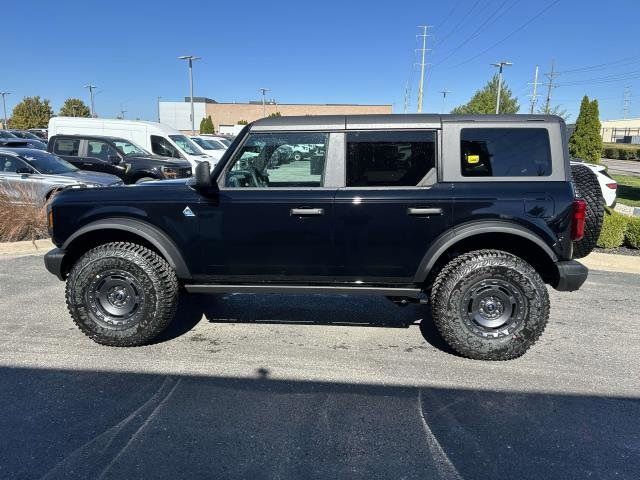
x,y
424,211
307,211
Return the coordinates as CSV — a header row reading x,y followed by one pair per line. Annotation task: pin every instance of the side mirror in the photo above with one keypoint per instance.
x,y
114,159
203,176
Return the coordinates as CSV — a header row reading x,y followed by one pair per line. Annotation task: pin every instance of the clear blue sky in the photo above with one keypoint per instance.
x,y
324,52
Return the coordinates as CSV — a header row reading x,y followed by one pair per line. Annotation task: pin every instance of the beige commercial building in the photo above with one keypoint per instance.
x,y
615,130
177,114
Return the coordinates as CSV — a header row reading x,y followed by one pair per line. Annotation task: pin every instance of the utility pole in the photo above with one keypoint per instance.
x,y
550,86
626,102
407,97
264,108
122,111
444,93
4,107
158,105
534,96
190,59
500,66
422,51
91,89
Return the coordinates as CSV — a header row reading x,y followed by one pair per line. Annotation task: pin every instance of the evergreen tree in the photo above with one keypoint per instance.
x,y
208,125
203,125
74,107
484,100
242,122
586,141
275,114
31,112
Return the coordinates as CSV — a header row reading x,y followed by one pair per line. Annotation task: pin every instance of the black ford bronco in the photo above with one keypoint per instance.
x,y
470,214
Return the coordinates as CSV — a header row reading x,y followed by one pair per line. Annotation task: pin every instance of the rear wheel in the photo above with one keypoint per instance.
x,y
122,294
588,188
489,305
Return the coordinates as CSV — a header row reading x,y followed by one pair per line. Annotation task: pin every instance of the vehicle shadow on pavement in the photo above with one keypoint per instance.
x,y
336,310
81,424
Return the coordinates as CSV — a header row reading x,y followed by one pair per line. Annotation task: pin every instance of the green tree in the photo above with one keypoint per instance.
x,y
556,110
31,112
74,107
586,141
484,100
242,122
275,114
206,125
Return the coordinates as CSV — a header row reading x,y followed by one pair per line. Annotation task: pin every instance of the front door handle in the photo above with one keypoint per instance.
x,y
424,211
307,211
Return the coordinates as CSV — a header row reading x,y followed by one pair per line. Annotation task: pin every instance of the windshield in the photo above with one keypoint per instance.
x,y
47,163
186,145
28,135
4,134
129,149
226,142
207,144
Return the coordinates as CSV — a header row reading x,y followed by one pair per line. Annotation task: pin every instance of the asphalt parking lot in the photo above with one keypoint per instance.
x,y
248,386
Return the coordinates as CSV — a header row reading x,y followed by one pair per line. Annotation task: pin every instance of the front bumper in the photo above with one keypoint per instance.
x,y
53,262
571,275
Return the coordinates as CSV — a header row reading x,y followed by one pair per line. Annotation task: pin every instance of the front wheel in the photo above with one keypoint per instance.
x,y
489,305
122,294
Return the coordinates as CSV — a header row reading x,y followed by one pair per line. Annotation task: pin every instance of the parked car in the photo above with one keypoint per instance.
x,y
27,135
152,136
471,214
45,172
212,146
608,185
117,156
9,138
40,132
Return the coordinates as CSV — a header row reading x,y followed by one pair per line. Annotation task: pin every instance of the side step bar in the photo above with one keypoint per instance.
x,y
304,289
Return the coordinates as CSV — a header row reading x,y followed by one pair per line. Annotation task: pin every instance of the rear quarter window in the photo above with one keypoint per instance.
x,y
505,152
67,146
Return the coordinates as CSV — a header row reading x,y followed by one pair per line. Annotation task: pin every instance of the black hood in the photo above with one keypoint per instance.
x,y
166,161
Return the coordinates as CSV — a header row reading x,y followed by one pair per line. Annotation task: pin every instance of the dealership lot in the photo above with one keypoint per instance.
x,y
247,386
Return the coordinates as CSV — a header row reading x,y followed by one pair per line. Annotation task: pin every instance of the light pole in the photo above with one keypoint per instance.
x,y
91,89
500,65
264,108
4,106
190,59
159,97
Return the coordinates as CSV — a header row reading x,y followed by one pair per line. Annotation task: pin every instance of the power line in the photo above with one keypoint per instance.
x,y
602,66
457,26
423,51
509,35
492,18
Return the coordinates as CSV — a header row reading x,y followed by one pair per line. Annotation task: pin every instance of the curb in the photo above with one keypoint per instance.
x,y
26,248
595,261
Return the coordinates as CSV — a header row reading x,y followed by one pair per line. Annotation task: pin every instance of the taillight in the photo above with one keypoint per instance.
x,y
612,186
579,214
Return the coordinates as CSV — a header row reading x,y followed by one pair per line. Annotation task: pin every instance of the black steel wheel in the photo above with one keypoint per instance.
x,y
122,294
489,305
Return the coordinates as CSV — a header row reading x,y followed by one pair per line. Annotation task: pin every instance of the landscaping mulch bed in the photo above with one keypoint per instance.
x,y
633,252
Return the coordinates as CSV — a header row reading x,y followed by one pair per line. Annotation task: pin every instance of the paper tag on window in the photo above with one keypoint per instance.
x,y
473,159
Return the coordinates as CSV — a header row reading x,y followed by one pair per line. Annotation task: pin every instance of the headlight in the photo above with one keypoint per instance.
x,y
170,172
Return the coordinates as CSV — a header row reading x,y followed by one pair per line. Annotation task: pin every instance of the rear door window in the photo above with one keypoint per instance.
x,y
101,150
505,152
389,158
67,146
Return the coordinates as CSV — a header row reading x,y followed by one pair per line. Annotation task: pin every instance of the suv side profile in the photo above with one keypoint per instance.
x,y
470,214
116,156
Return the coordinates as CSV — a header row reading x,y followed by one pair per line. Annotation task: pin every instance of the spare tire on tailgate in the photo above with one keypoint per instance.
x,y
588,188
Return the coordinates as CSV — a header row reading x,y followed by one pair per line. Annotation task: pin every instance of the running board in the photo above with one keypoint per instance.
x,y
304,289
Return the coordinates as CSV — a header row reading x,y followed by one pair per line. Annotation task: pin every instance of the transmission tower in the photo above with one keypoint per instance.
x,y
626,102
534,94
423,52
550,85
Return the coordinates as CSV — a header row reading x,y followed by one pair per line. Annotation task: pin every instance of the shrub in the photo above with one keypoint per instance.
x,y
632,235
610,152
613,229
23,214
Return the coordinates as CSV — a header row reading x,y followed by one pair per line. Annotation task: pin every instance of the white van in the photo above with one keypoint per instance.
x,y
152,136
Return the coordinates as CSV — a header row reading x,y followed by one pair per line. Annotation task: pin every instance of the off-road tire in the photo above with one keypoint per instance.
x,y
151,279
588,188
499,270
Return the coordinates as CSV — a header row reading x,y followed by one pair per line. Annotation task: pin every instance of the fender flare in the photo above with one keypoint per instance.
x,y
152,234
461,232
